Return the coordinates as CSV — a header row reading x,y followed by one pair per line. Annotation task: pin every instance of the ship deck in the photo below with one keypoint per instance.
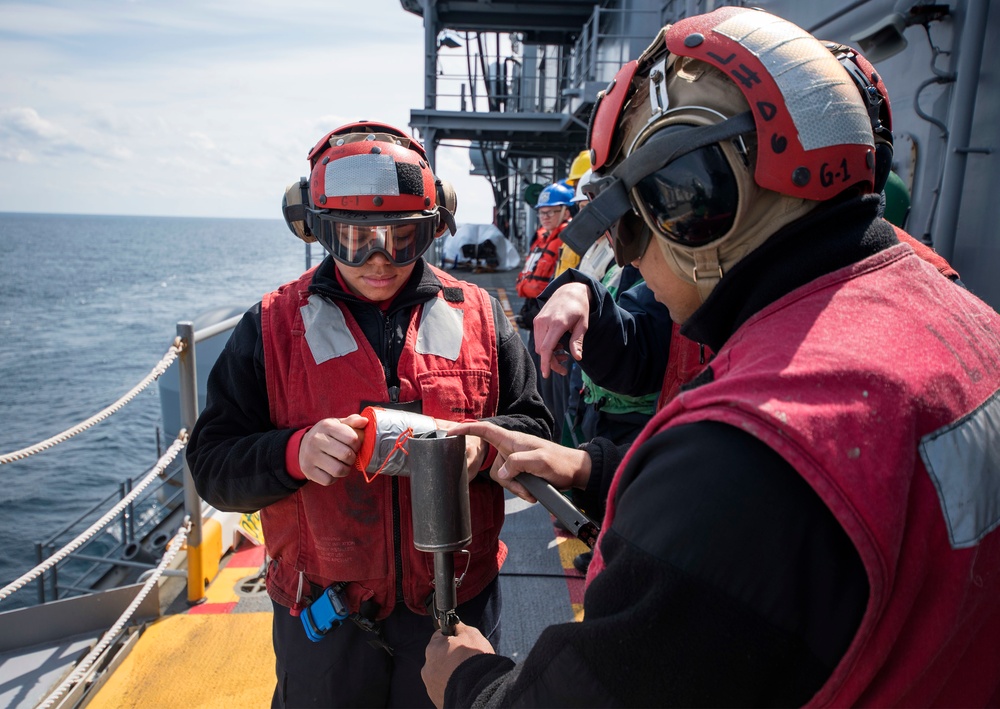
x,y
218,653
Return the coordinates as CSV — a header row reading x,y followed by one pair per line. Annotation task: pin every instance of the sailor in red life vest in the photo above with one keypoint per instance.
x,y
632,336
554,205
621,345
373,324
814,520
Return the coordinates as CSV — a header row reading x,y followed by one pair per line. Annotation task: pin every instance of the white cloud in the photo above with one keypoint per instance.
x,y
25,133
199,109
27,124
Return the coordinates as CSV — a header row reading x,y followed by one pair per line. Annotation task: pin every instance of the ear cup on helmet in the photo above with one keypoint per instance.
x,y
447,202
293,207
876,98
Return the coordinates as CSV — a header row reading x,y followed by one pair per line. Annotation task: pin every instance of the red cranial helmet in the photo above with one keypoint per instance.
x,y
813,141
876,99
730,125
370,190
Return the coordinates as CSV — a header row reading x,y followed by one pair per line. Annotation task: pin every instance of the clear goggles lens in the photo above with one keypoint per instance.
x,y
353,241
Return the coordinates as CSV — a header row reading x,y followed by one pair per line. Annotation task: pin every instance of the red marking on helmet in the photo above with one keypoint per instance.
x,y
783,164
609,110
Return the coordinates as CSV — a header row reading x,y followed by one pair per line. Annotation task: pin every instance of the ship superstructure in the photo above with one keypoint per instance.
x,y
518,79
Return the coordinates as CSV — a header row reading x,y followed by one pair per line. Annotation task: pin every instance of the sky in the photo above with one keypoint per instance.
x,y
200,108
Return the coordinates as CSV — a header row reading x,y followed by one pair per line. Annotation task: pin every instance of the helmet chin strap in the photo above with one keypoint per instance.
x,y
707,271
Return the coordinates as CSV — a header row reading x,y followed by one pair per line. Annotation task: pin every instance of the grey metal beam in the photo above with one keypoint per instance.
x,y
541,21
529,135
490,123
970,45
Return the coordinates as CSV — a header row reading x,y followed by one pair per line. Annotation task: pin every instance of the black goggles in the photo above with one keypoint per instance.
x,y
679,182
353,239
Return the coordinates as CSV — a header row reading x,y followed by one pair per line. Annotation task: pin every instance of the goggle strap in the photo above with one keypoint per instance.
x,y
448,218
652,157
613,201
596,218
294,212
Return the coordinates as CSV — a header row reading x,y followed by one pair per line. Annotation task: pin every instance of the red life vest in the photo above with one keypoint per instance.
x,y
319,365
685,360
540,265
927,253
889,412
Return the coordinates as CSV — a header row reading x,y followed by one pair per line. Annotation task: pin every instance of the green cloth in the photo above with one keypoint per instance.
x,y
607,400
897,200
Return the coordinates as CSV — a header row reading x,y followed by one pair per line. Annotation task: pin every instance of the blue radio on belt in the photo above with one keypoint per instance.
x,y
325,613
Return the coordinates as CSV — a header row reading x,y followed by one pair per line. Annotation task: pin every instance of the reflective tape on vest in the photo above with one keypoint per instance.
x,y
963,460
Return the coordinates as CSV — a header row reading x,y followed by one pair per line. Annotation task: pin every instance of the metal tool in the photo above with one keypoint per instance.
x,y
442,522
572,518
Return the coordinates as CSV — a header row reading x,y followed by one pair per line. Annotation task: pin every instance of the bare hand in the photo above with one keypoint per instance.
x,y
567,311
523,453
446,652
328,450
475,448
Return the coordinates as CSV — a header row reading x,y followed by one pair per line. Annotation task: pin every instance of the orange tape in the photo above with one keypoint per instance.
x,y
371,438
367,445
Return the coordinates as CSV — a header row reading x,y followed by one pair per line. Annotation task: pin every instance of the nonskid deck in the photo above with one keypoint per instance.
x,y
219,654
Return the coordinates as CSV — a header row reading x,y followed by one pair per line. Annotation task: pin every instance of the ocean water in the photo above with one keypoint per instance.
x,y
88,306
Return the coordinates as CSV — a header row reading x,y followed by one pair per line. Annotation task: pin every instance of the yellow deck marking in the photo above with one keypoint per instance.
x,y
568,549
223,588
187,661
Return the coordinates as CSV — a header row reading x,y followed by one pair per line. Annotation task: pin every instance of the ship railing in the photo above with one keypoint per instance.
x,y
72,690
606,42
90,611
114,513
172,353
123,512
128,546
498,73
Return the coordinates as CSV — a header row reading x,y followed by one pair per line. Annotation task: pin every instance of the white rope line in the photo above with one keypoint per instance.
x,y
175,349
161,464
81,669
